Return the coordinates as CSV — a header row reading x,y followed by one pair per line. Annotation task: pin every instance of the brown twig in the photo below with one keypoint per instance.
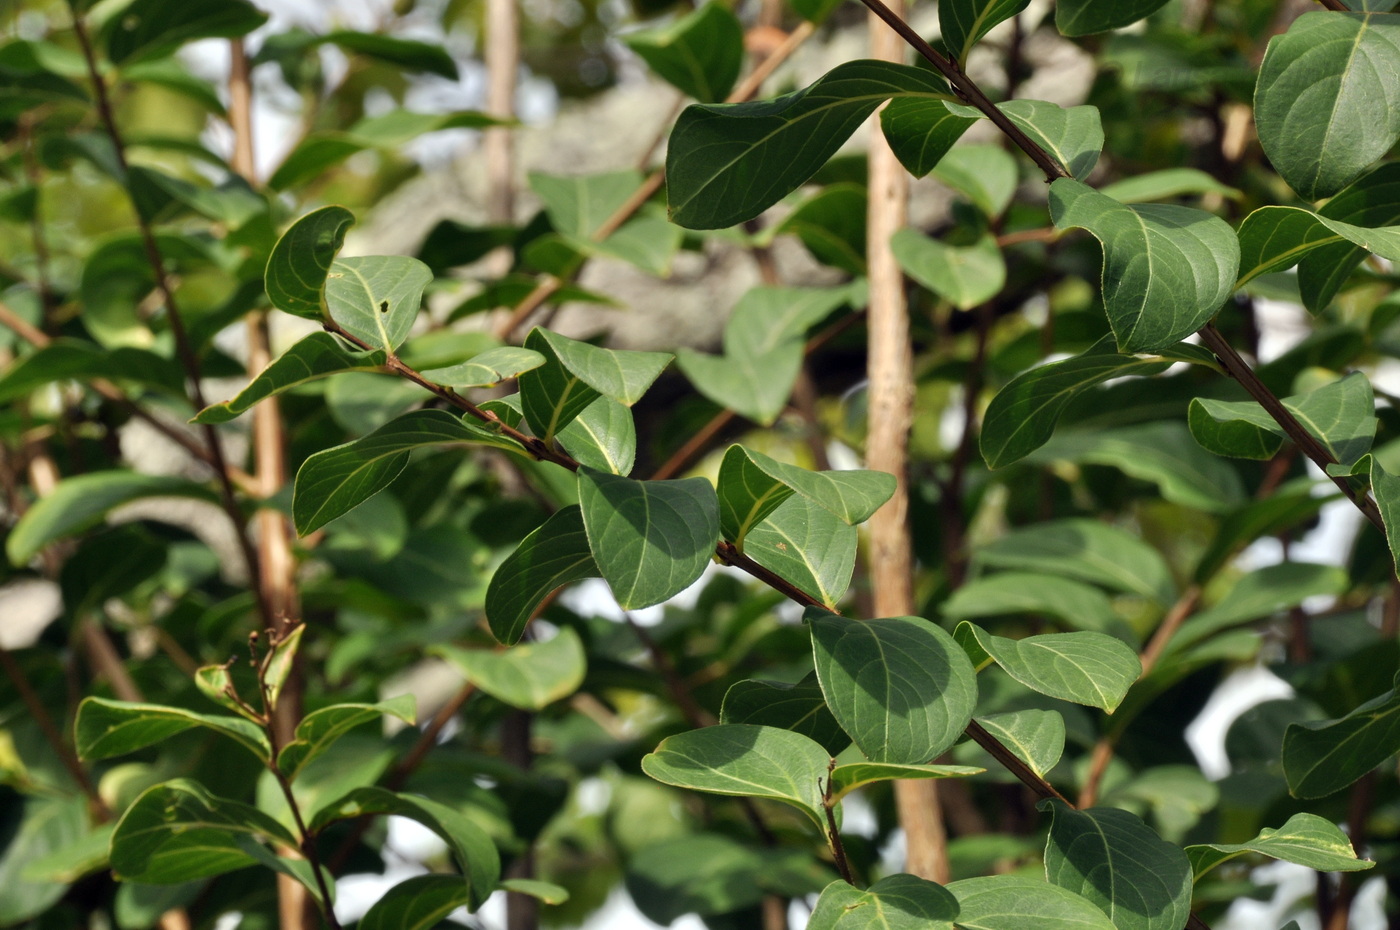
x,y
833,835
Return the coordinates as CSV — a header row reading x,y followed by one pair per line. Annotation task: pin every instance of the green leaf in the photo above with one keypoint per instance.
x,y
895,902
650,539
337,480
1386,488
530,676
1165,184
846,778
603,436
1306,839
922,131
1160,452
1277,238
700,54
747,494
985,174
815,11
1115,860
1371,200
1261,593
1325,756
148,29
745,761
1323,112
301,260
1021,417
81,502
1085,667
178,831
964,22
578,205
966,276
319,355
1086,550
487,369
799,707
548,892
1017,902
72,359
808,546
377,298
416,903
106,728
553,555
1217,428
1167,268
1086,17
900,687
45,826
1340,415
831,224
474,851
1036,737
575,374
1073,603
409,54
727,163
768,317
320,729
1072,136
757,386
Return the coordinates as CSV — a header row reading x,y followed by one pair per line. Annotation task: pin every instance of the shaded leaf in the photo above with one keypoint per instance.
x,y
409,54
1017,902
317,356
65,359
1325,756
1371,200
1340,415
1276,238
1087,550
1085,667
529,676
603,436
756,386
1386,489
700,54
301,260
1261,593
553,555
799,707
767,317
106,728
964,22
831,224
148,29
575,374
1073,136
1306,839
1073,603
1165,184
320,729
963,275
921,131
1086,17
45,826
986,174
896,902
846,778
417,902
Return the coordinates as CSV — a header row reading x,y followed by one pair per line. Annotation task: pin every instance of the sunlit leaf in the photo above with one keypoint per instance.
x,y
1306,839
896,902
1018,902
301,260
1085,667
529,676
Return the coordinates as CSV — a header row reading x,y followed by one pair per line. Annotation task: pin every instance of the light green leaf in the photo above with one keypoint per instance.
x,y
337,480
487,369
1073,136
377,298
1322,757
548,892
963,275
1073,603
1261,593
1305,839
799,707
650,539
296,271
474,851
747,494
1115,860
319,355
553,555
807,545
1340,415
178,831
921,131
417,903
1323,111
750,490
1021,417
1086,668
901,687
1165,184
1386,489
964,22
106,728
746,761
1085,17
1167,268
319,729
846,778
603,436
1036,737
575,373
756,386
895,902
1161,453
1087,550
578,205
727,163
1018,902
768,317
147,29
700,54
986,174
81,502
529,676
1276,238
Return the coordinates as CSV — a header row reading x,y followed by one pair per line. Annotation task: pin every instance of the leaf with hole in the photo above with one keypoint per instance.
x,y
529,676
901,687
377,298
1167,269
745,761
807,546
1085,667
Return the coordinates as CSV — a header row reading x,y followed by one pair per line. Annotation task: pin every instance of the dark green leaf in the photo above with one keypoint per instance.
x,y
727,163
1323,757
747,761
1073,136
553,555
409,54
1276,238
317,356
72,359
1085,667
767,317
965,22
1085,17
148,29
847,778
650,539
1386,488
487,369
700,53
1371,200
1167,268
800,708
46,826
1087,550
106,728
416,903
1340,415
902,688
922,131
575,374
831,224
896,902
1306,839
1321,108
320,729
530,676
301,260
1018,902
1260,594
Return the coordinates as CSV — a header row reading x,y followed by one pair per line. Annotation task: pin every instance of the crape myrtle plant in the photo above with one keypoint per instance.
x,y
210,727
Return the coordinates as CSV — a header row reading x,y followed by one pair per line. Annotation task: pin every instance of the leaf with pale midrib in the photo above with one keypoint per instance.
x,y
1340,415
1306,839
553,555
964,22
319,355
1324,757
1018,902
416,903
895,902
808,546
377,298
700,54
1277,238
847,778
106,728
1084,667
296,271
963,275
798,707
320,729
487,369
1036,737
